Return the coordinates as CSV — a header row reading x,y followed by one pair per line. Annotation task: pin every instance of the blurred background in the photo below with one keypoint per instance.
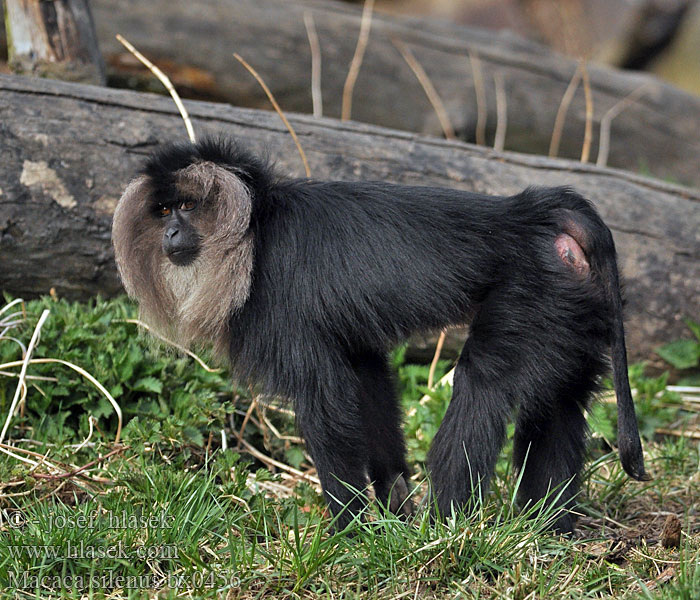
x,y
659,36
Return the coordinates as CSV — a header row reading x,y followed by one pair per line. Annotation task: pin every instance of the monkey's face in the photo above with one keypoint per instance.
x,y
184,249
181,242
185,209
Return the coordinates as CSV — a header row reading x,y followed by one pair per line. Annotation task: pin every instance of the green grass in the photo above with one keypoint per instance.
x,y
170,514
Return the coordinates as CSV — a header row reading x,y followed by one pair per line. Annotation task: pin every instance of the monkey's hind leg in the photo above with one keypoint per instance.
x,y
464,452
386,449
550,435
548,451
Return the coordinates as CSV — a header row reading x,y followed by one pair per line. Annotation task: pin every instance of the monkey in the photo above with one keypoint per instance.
x,y
304,286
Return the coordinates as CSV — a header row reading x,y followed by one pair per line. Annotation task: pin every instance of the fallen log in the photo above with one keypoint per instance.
x,y
69,150
658,132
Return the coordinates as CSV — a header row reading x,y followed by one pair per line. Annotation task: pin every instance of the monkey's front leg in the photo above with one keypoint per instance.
x,y
335,439
381,416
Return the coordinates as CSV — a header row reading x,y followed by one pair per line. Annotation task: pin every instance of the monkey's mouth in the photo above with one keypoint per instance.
x,y
183,256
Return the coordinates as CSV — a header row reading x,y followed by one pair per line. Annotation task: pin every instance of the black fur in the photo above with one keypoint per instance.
x,y
344,270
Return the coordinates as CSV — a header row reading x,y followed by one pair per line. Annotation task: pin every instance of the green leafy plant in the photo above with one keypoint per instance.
x,y
656,405
165,390
684,354
424,408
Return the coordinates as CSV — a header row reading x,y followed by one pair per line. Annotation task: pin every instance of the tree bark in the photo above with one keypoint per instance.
x,y
69,150
53,39
658,133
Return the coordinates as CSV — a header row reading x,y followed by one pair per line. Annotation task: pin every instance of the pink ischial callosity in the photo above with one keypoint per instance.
x,y
571,254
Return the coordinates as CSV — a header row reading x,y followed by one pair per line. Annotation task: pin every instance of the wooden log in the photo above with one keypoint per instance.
x,y
54,39
69,150
658,133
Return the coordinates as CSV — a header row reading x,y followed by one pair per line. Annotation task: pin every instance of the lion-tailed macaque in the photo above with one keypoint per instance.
x,y
305,285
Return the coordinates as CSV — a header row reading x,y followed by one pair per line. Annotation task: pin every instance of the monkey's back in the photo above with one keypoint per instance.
x,y
379,260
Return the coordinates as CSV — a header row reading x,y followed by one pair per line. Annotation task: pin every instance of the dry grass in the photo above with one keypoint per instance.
x,y
614,111
356,63
560,118
315,47
480,92
499,140
278,110
428,88
165,81
588,131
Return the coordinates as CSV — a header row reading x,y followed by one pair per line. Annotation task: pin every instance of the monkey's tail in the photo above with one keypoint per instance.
x,y
583,223
629,444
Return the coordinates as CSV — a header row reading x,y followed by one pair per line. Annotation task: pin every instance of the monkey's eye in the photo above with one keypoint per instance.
x,y
188,205
164,211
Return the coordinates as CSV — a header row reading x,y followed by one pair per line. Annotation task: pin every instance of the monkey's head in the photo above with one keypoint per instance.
x,y
182,241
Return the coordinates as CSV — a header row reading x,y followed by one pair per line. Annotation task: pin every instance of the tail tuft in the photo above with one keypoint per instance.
x,y
631,456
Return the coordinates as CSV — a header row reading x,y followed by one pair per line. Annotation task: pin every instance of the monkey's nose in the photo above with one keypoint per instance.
x,y
171,232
